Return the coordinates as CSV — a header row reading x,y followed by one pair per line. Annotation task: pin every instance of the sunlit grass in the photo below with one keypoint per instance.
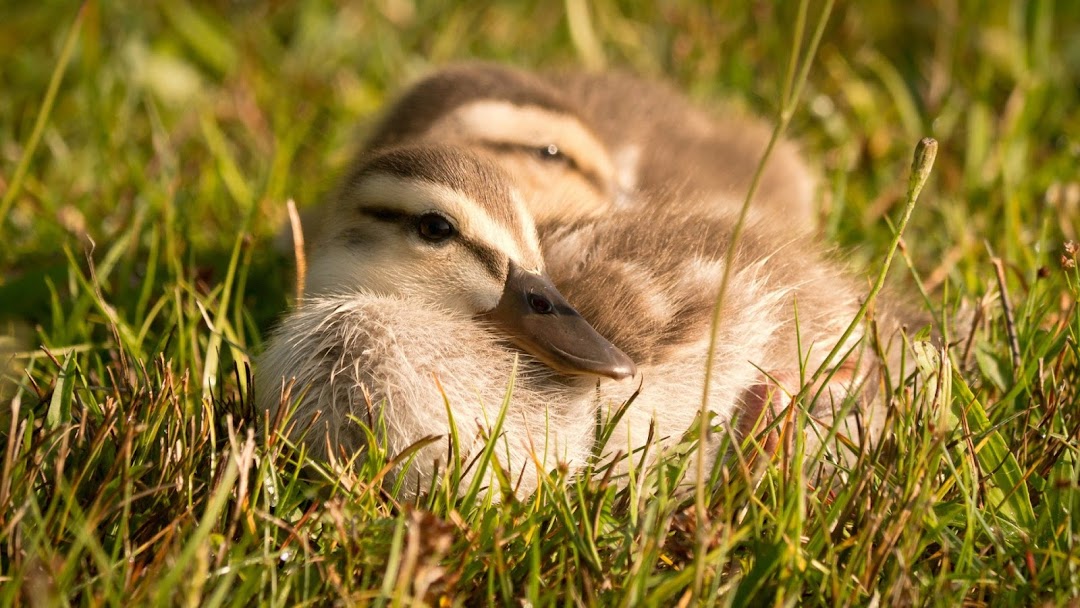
x,y
141,199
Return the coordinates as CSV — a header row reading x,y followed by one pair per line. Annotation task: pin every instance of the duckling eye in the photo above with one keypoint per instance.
x,y
550,152
540,304
434,228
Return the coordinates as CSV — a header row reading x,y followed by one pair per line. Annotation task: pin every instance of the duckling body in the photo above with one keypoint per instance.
x,y
655,134
648,280
403,368
385,337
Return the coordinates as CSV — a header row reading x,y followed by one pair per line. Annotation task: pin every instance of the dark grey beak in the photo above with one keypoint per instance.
x,y
538,319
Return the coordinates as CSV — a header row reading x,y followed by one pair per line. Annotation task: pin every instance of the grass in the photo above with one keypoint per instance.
x,y
146,154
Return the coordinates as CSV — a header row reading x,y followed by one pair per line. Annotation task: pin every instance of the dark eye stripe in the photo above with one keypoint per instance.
x,y
494,263
387,214
513,147
489,257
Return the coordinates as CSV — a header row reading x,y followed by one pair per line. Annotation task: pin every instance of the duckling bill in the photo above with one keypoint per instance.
x,y
540,321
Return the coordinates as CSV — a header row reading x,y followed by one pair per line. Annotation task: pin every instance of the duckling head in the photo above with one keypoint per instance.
x,y
441,226
523,122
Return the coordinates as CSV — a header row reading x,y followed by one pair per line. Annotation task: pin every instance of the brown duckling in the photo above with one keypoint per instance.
x,y
428,289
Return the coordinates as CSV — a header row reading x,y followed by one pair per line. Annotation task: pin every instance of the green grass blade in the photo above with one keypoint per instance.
x,y
42,118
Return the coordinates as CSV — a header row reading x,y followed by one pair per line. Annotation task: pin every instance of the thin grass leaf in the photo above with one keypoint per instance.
x,y
59,411
14,187
1008,492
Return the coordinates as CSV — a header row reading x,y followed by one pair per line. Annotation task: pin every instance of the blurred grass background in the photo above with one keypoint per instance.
x,y
179,129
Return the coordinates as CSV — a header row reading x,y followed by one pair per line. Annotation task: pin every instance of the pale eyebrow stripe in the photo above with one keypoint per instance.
x,y
505,121
415,196
487,256
590,176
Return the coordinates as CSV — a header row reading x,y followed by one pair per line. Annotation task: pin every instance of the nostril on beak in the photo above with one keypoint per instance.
x,y
540,304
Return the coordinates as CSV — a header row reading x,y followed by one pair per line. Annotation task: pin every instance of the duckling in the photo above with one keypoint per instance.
x,y
428,245
429,292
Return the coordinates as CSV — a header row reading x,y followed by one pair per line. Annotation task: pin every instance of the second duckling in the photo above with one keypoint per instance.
x,y
584,143
581,144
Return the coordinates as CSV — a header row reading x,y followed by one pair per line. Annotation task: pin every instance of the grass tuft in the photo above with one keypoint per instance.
x,y
146,157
